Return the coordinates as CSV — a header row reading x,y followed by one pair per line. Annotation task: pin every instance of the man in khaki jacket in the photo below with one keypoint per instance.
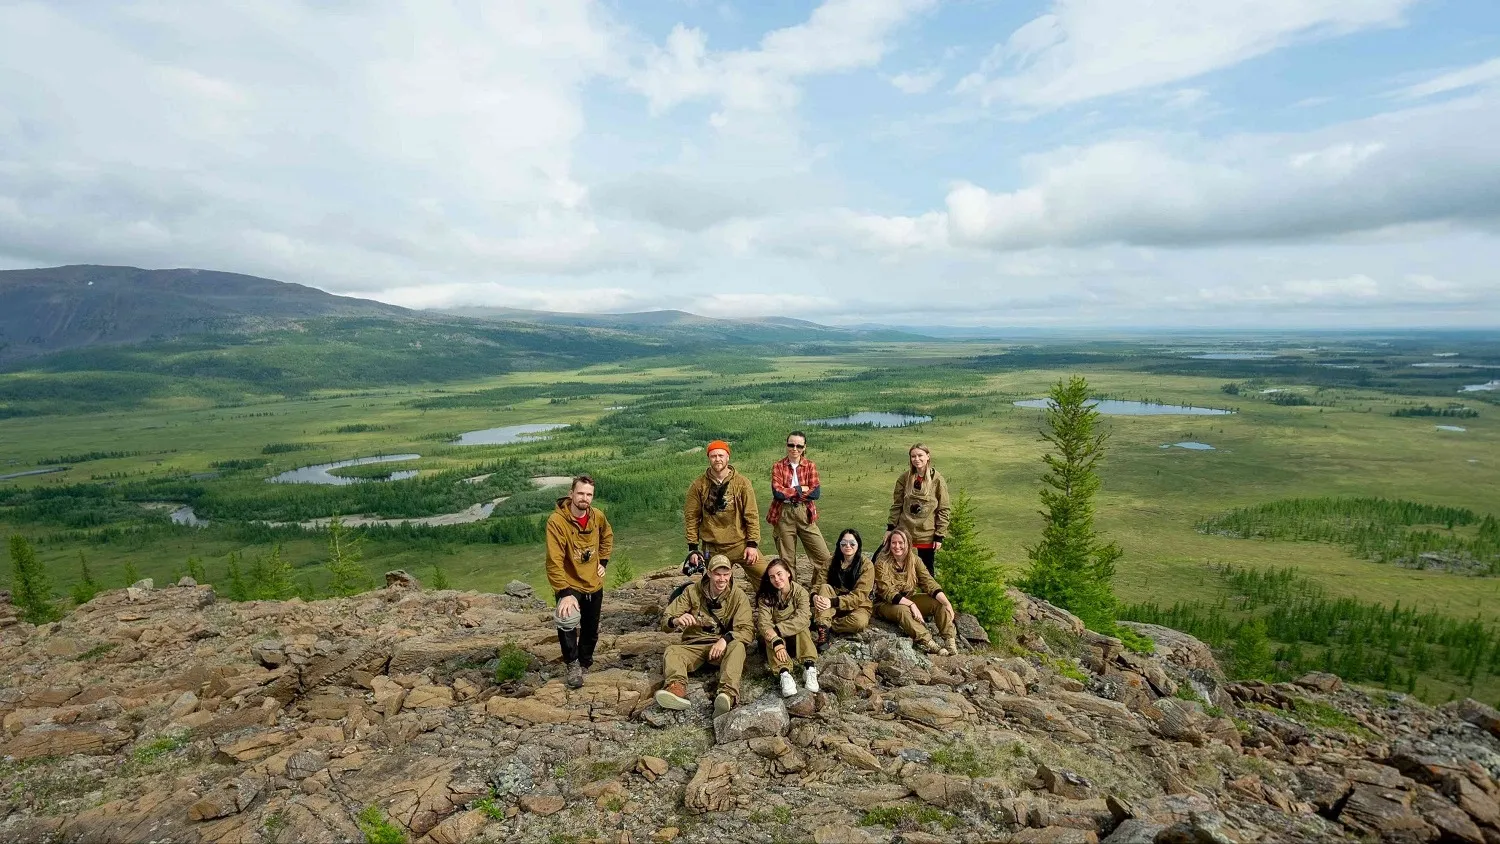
x,y
716,624
579,542
721,516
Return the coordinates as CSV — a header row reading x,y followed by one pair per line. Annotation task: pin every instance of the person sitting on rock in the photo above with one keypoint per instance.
x,y
782,621
841,590
716,624
905,594
579,542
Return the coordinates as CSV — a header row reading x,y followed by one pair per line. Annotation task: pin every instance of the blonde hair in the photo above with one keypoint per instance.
x,y
914,446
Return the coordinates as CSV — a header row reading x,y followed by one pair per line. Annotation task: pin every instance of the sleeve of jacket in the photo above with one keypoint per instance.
x,y
751,517
681,604
801,617
896,502
765,629
692,510
741,621
859,599
606,538
944,508
557,555
926,582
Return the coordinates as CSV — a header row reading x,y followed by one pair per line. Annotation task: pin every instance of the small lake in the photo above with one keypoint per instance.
x,y
319,474
1451,428
876,419
1471,388
503,436
186,516
1233,356
1115,407
1191,446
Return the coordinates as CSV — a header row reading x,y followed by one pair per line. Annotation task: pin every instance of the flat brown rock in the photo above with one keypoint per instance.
x,y
51,740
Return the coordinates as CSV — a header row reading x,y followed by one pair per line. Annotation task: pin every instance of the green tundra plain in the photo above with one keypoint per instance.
x,y
1314,417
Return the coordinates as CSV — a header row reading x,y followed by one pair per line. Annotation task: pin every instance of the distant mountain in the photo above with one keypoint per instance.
x,y
56,308
752,329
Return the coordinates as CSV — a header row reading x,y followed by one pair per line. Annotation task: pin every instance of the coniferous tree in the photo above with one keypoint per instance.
x,y
239,589
132,574
968,572
346,574
86,587
31,590
1251,651
1071,566
272,578
439,578
196,571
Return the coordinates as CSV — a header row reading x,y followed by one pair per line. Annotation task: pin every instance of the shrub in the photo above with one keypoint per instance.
x,y
970,576
621,572
513,663
377,828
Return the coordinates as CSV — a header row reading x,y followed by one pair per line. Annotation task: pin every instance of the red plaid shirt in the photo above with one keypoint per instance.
x,y
782,492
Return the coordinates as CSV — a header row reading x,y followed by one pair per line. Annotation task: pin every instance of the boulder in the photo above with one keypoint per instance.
x,y
1320,681
1479,714
764,717
709,789
1383,813
459,828
401,579
524,711
53,740
1064,783
932,706
229,799
855,756
519,589
429,697
543,804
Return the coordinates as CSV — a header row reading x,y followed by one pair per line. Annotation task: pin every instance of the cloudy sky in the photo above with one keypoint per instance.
x,y
969,162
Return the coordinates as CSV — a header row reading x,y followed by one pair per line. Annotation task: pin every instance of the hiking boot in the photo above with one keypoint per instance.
x,y
722,703
574,678
952,645
820,636
931,647
810,679
673,697
788,685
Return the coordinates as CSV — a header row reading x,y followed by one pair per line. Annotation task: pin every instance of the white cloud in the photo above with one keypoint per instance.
x,y
761,304
1421,165
1085,49
919,82
1482,74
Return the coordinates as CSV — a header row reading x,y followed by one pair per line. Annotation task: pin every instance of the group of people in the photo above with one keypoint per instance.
x,y
719,622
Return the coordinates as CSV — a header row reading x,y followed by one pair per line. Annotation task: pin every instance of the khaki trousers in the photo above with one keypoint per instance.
x,y
843,623
931,609
681,660
792,525
798,648
736,555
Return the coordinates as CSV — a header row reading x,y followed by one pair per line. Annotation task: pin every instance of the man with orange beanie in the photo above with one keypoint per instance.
x,y
721,516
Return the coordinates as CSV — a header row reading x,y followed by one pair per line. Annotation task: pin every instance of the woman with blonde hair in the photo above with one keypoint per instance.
x,y
906,595
920,505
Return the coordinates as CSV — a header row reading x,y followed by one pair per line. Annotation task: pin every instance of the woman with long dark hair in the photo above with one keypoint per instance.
x,y
841,591
782,621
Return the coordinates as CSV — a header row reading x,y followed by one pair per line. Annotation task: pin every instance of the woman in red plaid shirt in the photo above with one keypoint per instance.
x,y
793,514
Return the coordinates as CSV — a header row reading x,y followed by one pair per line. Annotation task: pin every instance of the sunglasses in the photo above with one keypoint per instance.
x,y
848,543
798,446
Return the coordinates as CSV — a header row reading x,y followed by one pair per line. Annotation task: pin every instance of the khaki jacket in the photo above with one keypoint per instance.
x,y
858,598
732,609
738,522
930,522
784,620
573,555
891,585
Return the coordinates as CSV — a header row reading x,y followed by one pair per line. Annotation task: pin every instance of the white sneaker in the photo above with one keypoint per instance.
x,y
810,679
788,685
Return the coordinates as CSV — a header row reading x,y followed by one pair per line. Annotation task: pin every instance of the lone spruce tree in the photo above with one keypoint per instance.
x,y
31,588
968,570
1071,566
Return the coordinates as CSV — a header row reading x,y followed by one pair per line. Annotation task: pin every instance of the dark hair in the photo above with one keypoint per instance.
x,y
581,479
768,594
798,434
840,578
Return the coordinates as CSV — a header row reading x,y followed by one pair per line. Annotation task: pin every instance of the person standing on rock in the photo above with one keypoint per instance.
x,y
794,512
783,618
721,517
920,506
906,594
579,542
841,590
716,624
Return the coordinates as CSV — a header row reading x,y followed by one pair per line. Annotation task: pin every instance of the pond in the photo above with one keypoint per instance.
x,y
1477,388
1451,428
186,516
319,474
1192,446
1115,407
876,419
1233,356
503,436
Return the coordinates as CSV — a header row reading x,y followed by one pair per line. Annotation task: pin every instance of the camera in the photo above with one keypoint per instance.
x,y
916,508
588,554
694,563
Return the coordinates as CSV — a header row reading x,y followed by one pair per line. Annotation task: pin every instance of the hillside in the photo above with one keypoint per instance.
x,y
56,308
166,714
751,330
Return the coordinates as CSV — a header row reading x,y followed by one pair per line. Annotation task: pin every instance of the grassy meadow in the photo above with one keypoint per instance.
x,y
639,425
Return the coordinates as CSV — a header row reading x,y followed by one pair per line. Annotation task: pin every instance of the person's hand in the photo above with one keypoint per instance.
x,y
821,603
752,554
781,653
943,599
915,612
601,571
936,547
567,606
718,649
685,621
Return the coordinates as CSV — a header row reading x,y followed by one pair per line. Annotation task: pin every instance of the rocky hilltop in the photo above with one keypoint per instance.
x,y
167,715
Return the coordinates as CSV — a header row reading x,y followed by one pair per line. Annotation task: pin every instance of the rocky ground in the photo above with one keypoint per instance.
x,y
167,715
